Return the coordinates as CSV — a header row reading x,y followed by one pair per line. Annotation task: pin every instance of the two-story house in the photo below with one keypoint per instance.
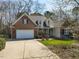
x,y
29,26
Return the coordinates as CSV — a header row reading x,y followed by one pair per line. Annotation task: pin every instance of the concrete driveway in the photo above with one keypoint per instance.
x,y
26,49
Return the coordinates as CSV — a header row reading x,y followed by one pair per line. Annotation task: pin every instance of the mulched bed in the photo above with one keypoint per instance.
x,y
65,52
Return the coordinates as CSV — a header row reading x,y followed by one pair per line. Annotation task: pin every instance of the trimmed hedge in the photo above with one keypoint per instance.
x,y
2,43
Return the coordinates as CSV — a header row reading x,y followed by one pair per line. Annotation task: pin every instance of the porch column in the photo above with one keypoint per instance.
x,y
48,32
51,32
37,32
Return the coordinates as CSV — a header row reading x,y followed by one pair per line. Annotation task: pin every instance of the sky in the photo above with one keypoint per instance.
x,y
46,2
49,4
52,4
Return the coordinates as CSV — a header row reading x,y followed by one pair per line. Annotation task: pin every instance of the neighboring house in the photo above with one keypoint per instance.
x,y
29,26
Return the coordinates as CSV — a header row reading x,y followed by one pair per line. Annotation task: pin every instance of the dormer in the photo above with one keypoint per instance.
x,y
46,23
38,22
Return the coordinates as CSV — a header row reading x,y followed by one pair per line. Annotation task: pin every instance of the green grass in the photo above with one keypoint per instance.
x,y
58,42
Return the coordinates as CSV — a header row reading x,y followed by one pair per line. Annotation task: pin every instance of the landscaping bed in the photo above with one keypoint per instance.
x,y
63,48
2,43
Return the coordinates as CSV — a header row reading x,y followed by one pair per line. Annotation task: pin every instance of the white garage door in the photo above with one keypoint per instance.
x,y
21,34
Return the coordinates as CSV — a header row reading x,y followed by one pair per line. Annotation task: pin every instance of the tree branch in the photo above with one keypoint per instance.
x,y
76,2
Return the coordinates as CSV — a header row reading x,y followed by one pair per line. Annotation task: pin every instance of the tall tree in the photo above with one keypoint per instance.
x,y
47,14
75,12
38,7
28,6
50,15
77,1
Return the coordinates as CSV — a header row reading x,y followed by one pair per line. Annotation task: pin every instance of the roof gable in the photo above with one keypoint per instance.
x,y
21,17
35,18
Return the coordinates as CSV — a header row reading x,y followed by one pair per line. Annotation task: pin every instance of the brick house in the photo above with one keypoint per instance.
x,y
29,26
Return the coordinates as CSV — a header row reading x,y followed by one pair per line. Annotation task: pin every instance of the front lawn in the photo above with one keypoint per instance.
x,y
63,48
58,42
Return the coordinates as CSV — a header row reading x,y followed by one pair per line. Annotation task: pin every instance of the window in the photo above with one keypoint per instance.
x,y
44,24
37,22
24,21
66,32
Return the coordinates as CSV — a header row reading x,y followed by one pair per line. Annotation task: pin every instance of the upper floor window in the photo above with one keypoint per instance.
x,y
25,21
37,22
44,24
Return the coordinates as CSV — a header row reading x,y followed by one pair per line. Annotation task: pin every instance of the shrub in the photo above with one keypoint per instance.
x,y
2,43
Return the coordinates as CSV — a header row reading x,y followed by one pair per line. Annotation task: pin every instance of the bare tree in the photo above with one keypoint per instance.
x,y
76,1
60,9
38,7
28,6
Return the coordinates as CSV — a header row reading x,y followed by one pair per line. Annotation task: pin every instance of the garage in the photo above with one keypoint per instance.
x,y
23,34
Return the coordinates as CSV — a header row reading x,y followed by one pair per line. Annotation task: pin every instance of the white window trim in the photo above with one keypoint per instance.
x,y
25,21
